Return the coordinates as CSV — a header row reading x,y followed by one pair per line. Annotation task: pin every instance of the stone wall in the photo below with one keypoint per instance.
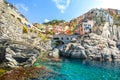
x,y
10,28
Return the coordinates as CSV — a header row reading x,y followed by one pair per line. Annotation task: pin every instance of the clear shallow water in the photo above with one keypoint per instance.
x,y
83,70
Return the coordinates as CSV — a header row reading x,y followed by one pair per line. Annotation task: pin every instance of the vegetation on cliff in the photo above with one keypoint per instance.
x,y
54,22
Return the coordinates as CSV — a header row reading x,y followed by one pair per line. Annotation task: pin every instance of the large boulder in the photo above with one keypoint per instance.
x,y
54,53
79,54
14,54
106,54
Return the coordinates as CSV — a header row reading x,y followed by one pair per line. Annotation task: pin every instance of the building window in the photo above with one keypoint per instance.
x,y
81,29
77,51
62,38
13,15
56,38
89,26
85,24
67,38
19,19
91,12
96,13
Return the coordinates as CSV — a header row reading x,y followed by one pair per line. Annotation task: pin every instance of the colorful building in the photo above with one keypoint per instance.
x,y
84,27
62,29
58,30
79,29
112,11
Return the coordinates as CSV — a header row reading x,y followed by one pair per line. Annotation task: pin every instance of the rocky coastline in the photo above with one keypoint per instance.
x,y
14,54
103,46
91,46
20,46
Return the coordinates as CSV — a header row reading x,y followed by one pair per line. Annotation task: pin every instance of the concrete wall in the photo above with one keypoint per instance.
x,y
64,38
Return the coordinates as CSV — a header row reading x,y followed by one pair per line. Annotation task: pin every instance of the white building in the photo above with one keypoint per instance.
x,y
64,38
88,25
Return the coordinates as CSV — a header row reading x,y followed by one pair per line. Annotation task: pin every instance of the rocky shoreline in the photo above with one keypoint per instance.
x,y
27,73
20,46
90,46
15,55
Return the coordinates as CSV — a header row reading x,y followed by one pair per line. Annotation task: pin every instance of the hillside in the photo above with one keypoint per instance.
x,y
98,33
104,22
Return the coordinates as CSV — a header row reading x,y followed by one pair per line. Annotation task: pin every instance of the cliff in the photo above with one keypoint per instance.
x,y
101,39
104,22
20,44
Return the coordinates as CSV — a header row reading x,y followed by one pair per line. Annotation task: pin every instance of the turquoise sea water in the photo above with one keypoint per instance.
x,y
83,70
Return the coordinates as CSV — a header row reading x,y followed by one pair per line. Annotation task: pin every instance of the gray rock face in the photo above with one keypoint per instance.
x,y
79,54
106,23
18,48
92,46
10,28
54,53
2,55
14,54
107,31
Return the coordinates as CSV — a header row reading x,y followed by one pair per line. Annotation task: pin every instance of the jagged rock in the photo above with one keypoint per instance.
x,y
2,53
54,53
16,47
14,54
11,61
115,54
79,54
92,46
106,54
118,45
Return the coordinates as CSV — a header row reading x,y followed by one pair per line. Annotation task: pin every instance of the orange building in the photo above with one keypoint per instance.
x,y
58,30
61,29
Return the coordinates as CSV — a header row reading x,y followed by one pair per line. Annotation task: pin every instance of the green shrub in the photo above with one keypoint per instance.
x,y
25,29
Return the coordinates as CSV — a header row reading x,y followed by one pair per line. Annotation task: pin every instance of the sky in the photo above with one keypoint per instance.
x,y
40,11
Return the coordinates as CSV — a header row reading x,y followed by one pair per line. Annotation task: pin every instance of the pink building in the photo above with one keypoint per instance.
x,y
112,11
